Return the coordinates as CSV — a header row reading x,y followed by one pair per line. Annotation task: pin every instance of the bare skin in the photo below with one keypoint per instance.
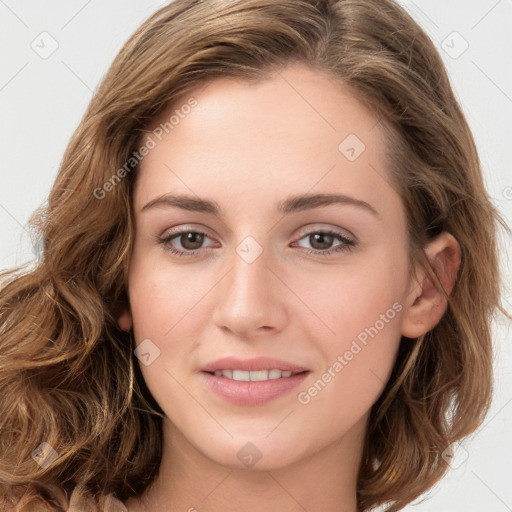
x,y
248,147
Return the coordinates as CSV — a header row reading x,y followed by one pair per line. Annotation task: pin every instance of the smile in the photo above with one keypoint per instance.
x,y
254,376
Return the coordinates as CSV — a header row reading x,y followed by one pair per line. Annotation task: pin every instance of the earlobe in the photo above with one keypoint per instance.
x,y
427,302
125,320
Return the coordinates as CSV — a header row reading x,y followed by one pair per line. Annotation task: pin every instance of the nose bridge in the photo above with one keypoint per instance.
x,y
248,298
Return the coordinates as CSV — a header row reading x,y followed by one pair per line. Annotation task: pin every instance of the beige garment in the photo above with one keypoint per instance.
x,y
81,501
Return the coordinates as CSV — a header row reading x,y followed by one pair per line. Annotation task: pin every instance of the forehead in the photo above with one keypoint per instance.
x,y
292,103
292,132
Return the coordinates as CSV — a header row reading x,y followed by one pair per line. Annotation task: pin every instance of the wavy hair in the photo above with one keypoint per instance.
x,y
67,372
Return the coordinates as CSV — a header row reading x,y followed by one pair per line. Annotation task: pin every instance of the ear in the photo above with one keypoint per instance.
x,y
426,302
125,320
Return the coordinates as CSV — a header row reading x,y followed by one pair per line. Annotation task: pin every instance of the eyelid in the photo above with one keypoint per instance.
x,y
185,227
313,228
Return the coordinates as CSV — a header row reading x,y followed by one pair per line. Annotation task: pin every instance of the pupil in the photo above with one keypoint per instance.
x,y
318,237
193,238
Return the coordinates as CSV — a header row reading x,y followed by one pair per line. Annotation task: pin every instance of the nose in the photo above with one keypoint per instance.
x,y
250,298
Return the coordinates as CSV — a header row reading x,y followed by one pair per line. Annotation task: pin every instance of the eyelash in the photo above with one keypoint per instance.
x,y
347,245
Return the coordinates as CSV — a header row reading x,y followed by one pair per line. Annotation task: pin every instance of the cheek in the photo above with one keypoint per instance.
x,y
162,296
167,309
356,369
356,297
363,309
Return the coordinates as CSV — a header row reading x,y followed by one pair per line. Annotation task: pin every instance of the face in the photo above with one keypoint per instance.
x,y
290,245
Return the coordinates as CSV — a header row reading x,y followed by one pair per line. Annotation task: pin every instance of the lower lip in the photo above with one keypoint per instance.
x,y
249,392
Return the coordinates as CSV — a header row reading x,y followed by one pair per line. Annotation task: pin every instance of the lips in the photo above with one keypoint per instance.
x,y
251,382
256,364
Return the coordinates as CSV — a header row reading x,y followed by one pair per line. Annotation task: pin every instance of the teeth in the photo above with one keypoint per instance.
x,y
274,374
241,375
255,376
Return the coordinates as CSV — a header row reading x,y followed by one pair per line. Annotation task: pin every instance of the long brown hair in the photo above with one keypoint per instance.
x,y
67,372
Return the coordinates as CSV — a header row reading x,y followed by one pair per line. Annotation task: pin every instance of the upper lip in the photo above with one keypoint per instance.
x,y
253,364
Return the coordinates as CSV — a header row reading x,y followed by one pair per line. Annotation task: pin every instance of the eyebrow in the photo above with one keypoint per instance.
x,y
290,205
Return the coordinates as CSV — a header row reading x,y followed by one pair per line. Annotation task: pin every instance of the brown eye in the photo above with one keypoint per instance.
x,y
321,241
184,242
191,240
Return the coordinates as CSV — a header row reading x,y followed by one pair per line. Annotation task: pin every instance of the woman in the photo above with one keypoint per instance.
x,y
180,348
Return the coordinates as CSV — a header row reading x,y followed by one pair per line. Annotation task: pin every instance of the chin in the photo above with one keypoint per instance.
x,y
254,453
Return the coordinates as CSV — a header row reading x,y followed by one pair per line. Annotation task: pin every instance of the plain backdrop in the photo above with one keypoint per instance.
x,y
53,55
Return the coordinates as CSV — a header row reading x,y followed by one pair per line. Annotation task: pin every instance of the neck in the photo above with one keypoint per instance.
x,y
189,481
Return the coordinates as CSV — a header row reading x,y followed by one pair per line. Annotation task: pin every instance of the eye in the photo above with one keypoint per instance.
x,y
190,241
322,241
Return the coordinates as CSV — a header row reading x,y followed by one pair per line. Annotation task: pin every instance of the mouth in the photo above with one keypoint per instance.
x,y
252,369
254,381
255,375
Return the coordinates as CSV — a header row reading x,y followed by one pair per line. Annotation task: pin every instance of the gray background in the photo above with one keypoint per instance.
x,y
42,101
